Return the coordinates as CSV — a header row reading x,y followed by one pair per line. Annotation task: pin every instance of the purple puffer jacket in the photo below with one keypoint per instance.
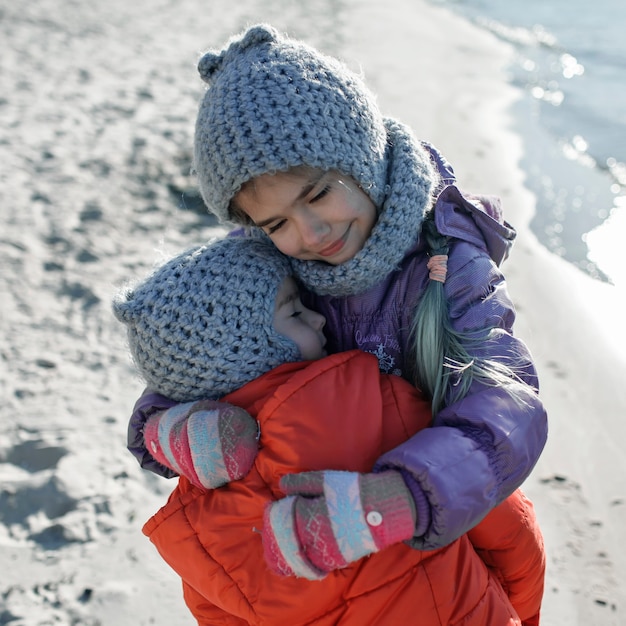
x,y
481,448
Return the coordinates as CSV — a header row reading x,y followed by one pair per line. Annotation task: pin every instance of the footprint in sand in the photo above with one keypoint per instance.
x,y
33,501
78,292
559,372
580,537
35,455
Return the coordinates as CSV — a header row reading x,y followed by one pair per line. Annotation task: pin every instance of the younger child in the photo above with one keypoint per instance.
x,y
217,322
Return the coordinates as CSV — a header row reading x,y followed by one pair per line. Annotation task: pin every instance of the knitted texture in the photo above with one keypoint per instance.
x,y
201,326
209,442
335,519
411,181
274,103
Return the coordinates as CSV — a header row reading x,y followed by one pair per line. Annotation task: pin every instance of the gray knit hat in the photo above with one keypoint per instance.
x,y
201,325
274,103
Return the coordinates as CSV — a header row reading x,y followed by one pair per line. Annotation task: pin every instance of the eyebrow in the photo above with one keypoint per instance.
x,y
304,192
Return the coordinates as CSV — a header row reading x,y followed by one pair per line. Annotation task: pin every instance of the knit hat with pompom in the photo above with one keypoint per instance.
x,y
201,325
274,103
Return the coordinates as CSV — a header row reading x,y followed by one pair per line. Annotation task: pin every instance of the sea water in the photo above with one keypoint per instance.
x,y
570,63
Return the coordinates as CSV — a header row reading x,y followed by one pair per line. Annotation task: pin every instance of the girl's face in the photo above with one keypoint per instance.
x,y
309,214
294,321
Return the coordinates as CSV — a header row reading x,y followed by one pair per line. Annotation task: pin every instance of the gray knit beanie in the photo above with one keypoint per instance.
x,y
274,103
201,325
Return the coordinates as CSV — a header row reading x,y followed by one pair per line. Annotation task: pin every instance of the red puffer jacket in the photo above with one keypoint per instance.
x,y
340,413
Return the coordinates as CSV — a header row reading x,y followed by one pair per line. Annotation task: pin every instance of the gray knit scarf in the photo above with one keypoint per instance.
x,y
410,181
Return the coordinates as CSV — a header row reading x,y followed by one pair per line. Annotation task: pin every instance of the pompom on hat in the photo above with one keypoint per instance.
x,y
274,103
201,325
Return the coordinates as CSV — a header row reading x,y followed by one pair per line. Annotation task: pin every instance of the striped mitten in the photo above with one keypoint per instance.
x,y
330,519
210,443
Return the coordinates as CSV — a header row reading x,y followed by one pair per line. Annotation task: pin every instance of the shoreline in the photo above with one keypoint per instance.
x,y
569,320
571,160
463,104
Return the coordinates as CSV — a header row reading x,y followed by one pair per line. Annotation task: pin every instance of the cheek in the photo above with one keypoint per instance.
x,y
289,245
367,211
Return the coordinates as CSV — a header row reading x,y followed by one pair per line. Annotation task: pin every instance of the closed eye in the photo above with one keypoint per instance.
x,y
272,229
321,194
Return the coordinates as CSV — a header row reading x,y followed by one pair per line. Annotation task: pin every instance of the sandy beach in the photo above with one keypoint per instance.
x,y
97,106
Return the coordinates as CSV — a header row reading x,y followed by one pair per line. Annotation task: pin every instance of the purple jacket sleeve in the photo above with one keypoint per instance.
x,y
148,404
481,448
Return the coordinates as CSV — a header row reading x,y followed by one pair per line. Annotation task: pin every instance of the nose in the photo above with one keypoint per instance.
x,y
312,229
315,320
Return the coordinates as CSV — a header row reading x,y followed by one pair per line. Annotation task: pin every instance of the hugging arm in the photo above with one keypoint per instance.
x,y
149,404
484,445
477,453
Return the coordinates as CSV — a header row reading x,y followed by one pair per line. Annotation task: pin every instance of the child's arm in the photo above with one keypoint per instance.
x,y
210,443
510,543
483,446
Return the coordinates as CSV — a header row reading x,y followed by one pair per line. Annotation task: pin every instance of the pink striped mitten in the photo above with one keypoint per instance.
x,y
210,443
330,519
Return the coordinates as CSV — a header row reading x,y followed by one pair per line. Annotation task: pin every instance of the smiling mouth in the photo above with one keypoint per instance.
x,y
335,247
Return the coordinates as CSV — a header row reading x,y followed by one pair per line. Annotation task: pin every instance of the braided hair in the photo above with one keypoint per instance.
x,y
442,365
